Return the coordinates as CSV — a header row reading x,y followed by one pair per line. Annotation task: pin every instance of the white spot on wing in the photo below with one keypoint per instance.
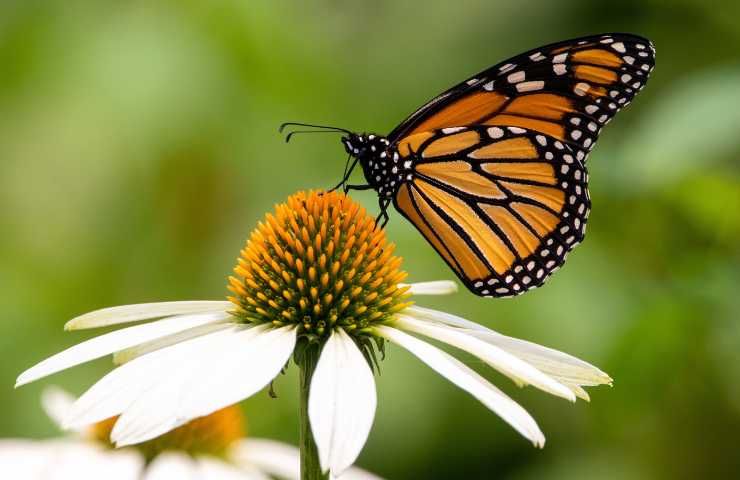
x,y
537,57
530,86
449,130
495,132
619,46
515,77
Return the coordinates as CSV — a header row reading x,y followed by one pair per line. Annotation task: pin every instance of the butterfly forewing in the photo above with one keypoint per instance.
x,y
502,205
568,90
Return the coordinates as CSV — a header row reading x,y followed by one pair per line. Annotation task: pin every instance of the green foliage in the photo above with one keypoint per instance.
x,y
139,148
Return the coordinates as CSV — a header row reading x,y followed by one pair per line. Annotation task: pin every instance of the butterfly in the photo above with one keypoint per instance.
x,y
492,171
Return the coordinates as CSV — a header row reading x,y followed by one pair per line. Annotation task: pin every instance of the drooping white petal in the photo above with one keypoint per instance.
x,y
157,409
467,379
114,341
341,402
440,287
558,364
106,317
281,460
506,363
123,356
207,377
565,368
580,392
56,403
118,390
171,465
211,468
442,317
242,372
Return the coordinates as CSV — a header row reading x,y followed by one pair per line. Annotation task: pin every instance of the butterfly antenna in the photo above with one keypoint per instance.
x,y
308,125
290,134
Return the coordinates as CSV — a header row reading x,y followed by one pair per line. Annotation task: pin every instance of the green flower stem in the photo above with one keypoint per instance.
x,y
310,465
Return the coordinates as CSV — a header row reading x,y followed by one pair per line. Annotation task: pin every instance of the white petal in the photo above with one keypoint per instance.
x,y
465,378
211,468
341,403
56,403
117,390
274,458
580,392
442,317
441,287
504,362
82,461
281,460
170,465
123,356
158,409
242,372
114,341
563,367
207,377
144,311
26,459
566,368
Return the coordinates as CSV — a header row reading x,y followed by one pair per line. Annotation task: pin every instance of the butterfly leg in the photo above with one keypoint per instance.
x,y
345,177
382,218
347,188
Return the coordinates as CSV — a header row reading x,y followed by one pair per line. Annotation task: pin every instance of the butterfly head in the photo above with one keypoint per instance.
x,y
362,145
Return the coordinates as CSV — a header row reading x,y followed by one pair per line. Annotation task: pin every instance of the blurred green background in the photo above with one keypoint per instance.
x,y
139,146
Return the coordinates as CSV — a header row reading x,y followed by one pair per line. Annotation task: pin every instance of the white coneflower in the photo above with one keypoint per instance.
x,y
316,281
213,447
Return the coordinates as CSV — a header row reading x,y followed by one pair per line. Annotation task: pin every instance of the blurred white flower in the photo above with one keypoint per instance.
x,y
317,274
208,450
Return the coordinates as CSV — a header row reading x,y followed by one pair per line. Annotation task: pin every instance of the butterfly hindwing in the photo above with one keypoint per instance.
x,y
503,205
568,90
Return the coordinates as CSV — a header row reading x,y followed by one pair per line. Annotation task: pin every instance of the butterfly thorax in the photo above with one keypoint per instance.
x,y
384,169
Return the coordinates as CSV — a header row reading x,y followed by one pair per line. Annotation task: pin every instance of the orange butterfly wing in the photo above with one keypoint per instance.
x,y
568,90
499,186
502,205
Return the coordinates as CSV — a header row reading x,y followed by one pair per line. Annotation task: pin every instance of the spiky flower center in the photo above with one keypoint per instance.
x,y
319,262
211,435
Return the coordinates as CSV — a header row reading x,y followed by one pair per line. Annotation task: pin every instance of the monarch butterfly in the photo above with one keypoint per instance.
x,y
492,171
